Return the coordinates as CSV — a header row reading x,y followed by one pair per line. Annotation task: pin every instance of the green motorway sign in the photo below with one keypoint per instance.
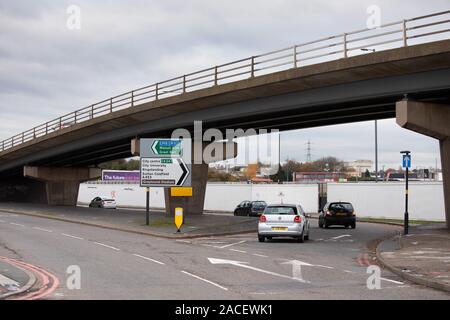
x,y
167,147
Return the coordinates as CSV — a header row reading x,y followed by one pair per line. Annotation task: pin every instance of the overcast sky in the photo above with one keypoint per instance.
x,y
47,70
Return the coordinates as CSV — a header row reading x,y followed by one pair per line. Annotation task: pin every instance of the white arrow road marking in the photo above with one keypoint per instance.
x,y
5,281
297,268
321,266
205,280
339,237
244,265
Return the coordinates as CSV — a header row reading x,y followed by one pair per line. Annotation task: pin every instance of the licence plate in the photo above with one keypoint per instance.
x,y
280,228
341,214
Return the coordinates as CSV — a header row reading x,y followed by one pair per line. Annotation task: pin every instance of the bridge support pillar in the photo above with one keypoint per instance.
x,y
61,184
194,204
432,120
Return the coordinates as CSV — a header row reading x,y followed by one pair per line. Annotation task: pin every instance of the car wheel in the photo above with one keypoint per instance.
x,y
326,225
320,225
269,238
261,238
346,226
301,239
353,225
307,237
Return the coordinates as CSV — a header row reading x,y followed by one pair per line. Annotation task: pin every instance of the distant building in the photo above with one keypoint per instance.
x,y
261,180
359,167
318,177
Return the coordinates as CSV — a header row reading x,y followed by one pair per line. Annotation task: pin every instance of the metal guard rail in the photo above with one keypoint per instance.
x,y
387,36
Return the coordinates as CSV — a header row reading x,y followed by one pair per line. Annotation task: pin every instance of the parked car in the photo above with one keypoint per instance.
x,y
103,202
283,220
250,208
337,213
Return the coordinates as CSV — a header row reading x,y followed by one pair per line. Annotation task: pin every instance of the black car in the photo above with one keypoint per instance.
x,y
337,213
250,208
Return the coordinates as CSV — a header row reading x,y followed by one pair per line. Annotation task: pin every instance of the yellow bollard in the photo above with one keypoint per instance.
x,y
178,218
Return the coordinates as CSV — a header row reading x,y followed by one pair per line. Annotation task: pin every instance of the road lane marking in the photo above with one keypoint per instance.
x,y
17,224
235,250
42,229
149,259
244,265
185,241
105,245
260,255
205,280
321,266
70,236
339,237
393,281
208,245
231,244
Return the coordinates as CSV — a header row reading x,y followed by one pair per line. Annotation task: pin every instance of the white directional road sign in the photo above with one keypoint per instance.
x,y
165,162
163,172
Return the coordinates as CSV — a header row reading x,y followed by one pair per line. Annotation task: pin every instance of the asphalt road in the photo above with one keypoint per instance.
x,y
119,265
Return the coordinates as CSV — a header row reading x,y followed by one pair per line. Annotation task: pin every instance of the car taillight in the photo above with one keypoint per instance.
x,y
262,218
298,219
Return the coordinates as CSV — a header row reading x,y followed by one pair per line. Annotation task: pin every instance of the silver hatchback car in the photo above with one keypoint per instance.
x,y
283,220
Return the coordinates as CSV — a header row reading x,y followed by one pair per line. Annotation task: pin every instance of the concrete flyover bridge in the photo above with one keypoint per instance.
x,y
333,80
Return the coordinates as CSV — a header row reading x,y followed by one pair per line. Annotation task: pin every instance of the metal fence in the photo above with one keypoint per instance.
x,y
417,30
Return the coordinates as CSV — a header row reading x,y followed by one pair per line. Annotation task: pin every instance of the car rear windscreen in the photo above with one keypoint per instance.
x,y
280,210
259,204
347,207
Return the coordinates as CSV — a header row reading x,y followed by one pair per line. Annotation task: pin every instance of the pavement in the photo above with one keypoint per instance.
x,y
422,256
160,224
114,264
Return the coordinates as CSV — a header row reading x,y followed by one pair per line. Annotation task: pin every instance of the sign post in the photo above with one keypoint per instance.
x,y
147,206
406,163
166,163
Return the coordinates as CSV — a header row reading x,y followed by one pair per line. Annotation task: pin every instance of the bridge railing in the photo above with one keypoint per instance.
x,y
423,29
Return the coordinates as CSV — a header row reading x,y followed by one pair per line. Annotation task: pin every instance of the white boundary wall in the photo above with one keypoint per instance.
x,y
226,196
387,200
219,197
370,199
